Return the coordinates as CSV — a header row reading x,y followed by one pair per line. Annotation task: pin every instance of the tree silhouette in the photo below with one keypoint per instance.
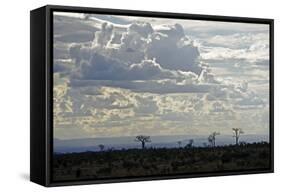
x,y
179,143
143,139
236,134
101,146
190,143
212,138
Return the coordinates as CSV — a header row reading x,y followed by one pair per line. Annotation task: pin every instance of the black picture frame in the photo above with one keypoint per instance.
x,y
41,81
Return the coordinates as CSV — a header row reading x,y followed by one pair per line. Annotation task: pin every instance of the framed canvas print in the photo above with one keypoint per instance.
x,y
120,95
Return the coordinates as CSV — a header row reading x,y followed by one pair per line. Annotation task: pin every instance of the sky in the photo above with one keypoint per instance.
x,y
125,76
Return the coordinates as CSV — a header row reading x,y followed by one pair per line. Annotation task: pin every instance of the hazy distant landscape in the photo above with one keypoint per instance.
x,y
117,143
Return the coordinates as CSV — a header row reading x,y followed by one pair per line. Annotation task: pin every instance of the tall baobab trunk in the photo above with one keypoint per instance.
x,y
236,140
143,144
212,138
237,132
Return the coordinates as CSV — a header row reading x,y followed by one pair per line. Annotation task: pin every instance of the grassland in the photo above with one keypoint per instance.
x,y
159,161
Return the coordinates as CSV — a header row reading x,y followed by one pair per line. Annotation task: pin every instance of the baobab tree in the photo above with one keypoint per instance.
x,y
101,146
236,134
212,138
143,139
179,143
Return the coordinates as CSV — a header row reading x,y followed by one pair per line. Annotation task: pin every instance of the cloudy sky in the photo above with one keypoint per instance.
x,y
123,76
